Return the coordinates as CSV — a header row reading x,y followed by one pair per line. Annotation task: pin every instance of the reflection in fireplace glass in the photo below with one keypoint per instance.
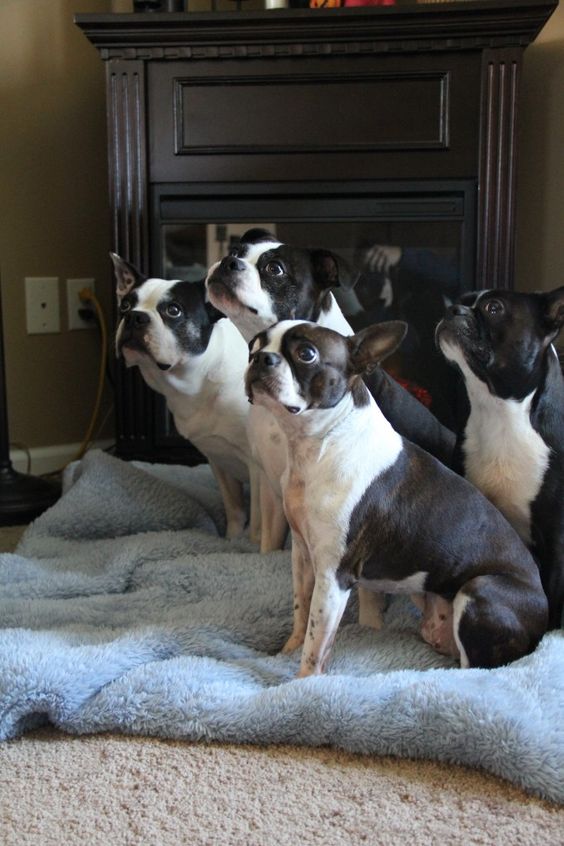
x,y
406,270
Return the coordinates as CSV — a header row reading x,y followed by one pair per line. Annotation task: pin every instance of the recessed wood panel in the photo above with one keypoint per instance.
x,y
316,113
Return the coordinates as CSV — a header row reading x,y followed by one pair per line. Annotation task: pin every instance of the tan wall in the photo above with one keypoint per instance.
x,y
54,218
540,187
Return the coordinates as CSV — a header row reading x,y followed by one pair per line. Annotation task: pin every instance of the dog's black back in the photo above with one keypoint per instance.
x,y
547,510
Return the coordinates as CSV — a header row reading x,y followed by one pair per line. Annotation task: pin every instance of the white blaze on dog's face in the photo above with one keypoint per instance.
x,y
263,282
234,286
166,322
270,380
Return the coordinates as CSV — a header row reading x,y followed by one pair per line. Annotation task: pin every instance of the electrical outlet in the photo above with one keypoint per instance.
x,y
42,304
75,305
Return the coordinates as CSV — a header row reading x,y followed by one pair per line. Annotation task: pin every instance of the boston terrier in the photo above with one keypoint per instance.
x,y
192,355
264,281
511,444
367,506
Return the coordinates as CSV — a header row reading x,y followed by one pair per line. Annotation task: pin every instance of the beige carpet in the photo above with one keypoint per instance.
x,y
106,789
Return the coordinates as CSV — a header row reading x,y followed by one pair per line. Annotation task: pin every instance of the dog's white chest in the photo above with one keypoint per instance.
x,y
327,478
315,503
504,456
268,444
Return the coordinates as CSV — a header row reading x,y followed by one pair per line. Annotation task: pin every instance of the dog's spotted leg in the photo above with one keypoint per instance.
x,y
328,603
303,580
371,607
233,501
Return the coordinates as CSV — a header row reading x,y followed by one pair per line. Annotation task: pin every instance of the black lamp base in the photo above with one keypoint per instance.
x,y
23,498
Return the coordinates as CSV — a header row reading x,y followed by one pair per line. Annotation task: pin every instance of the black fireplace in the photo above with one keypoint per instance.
x,y
387,134
411,245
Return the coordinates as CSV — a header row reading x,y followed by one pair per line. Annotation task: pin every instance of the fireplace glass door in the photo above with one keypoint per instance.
x,y
409,245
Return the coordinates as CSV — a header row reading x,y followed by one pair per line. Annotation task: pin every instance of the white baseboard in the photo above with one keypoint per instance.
x,y
48,459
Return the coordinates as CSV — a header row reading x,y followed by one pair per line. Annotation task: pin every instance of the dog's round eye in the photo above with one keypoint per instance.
x,y
124,306
307,354
274,268
493,307
173,310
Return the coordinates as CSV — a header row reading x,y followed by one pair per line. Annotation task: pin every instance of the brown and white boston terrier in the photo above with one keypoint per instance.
x,y
368,507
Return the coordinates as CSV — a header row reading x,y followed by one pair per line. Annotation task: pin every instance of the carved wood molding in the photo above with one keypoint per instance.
x,y
501,71
130,229
304,32
128,159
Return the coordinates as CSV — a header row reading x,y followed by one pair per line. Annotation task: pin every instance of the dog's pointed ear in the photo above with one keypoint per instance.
x,y
330,270
372,345
555,309
127,276
257,236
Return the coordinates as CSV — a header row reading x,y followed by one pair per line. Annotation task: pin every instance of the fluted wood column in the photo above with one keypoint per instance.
x,y
501,70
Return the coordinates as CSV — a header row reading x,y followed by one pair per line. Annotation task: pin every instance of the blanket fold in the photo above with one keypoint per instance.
x,y
124,609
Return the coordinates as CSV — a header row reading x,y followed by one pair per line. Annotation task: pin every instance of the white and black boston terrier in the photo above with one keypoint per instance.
x,y
511,444
367,506
190,353
264,281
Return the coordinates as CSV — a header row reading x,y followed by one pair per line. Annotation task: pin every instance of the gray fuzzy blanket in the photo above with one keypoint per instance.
x,y
123,609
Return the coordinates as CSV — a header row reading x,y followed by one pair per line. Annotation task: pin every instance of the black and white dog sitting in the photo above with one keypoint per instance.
x,y
366,506
263,282
190,353
511,445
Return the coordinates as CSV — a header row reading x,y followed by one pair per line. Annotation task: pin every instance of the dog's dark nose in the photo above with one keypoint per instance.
x,y
459,310
267,359
134,319
231,264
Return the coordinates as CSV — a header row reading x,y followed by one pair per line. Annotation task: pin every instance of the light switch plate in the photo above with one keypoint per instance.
x,y
42,304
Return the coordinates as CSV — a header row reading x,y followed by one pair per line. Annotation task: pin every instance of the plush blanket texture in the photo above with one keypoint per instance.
x,y
123,609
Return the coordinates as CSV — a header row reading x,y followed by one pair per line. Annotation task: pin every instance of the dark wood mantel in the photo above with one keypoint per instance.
x,y
440,26
412,93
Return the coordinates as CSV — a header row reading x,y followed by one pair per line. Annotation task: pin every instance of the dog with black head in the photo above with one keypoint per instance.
x,y
511,440
264,281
